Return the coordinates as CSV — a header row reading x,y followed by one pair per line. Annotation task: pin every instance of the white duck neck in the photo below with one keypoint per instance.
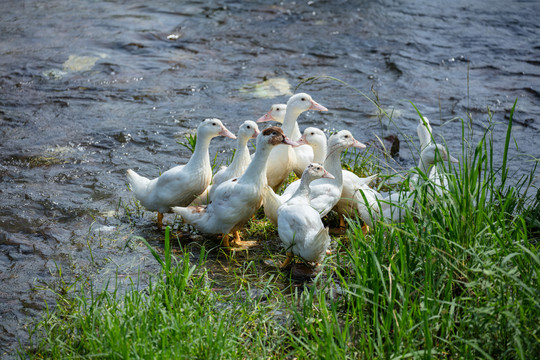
x,y
319,153
256,171
201,156
332,164
289,123
241,154
303,190
295,135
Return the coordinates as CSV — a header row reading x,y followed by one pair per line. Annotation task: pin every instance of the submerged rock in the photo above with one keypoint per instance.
x,y
81,63
270,88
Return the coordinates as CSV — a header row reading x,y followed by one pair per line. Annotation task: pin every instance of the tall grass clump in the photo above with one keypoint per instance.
x,y
459,278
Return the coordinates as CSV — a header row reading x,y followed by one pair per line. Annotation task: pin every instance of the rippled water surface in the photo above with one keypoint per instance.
x,y
89,89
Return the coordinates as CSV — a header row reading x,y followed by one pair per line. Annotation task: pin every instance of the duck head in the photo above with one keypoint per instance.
x,y
273,136
276,113
313,136
302,102
248,130
212,128
342,140
316,171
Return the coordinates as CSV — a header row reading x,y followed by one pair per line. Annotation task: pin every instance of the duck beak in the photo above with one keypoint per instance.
x,y
255,134
225,132
316,106
288,141
328,175
265,117
358,144
302,141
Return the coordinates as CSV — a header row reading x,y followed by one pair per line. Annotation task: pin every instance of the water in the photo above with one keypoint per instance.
x,y
90,89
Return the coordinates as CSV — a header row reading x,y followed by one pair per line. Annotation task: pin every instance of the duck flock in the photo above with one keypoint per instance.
x,y
224,203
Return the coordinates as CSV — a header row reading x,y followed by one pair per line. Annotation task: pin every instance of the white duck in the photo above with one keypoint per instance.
x,y
325,193
282,158
300,227
181,184
394,206
235,200
352,198
248,130
277,113
317,140
303,154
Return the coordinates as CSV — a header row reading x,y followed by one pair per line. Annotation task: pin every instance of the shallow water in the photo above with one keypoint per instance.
x,y
91,89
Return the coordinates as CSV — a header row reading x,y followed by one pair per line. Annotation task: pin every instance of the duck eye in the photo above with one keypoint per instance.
x,y
303,99
214,124
346,136
249,127
274,133
312,133
277,109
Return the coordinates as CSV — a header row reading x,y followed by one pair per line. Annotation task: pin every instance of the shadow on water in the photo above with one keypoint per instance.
x,y
91,89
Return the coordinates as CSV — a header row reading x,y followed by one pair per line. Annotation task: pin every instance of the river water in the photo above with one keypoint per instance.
x,y
89,89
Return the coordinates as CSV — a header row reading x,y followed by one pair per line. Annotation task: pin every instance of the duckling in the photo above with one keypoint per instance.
x,y
181,184
300,227
236,200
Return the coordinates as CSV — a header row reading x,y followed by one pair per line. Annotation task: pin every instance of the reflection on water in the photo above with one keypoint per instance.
x,y
90,89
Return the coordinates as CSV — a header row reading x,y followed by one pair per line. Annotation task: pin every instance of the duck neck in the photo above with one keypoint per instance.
x,y
295,135
289,123
201,157
241,154
256,171
319,153
333,163
303,190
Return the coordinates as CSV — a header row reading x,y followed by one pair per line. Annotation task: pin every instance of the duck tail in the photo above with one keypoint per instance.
x,y
271,202
137,183
190,214
322,242
370,178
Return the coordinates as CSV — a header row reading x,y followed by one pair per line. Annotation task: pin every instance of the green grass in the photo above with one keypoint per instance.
x,y
458,279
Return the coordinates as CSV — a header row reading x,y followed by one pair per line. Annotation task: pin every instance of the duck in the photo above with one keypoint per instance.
x,y
303,155
358,198
352,183
282,158
316,139
247,131
300,227
393,207
236,200
180,185
277,114
325,193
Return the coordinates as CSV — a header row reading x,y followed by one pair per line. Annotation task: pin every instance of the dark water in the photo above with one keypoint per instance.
x,y
89,89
